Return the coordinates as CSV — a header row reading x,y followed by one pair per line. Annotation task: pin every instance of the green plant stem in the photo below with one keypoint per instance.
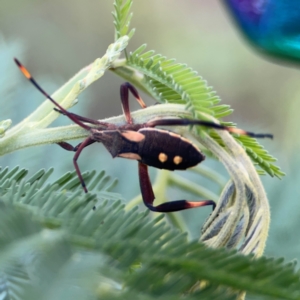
x,y
31,136
210,174
186,185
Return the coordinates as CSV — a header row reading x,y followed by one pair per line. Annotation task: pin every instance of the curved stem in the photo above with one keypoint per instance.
x,y
233,169
260,207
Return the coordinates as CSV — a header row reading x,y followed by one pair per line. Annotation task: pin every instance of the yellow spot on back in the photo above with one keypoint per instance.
x,y
177,160
162,157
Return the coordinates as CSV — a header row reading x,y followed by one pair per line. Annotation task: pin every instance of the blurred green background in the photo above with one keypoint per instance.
x,y
55,39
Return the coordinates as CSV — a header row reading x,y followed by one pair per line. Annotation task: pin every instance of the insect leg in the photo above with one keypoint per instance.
x,y
70,147
88,141
125,87
148,196
67,146
186,122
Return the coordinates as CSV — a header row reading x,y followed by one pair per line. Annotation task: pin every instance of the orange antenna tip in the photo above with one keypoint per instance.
x,y
23,69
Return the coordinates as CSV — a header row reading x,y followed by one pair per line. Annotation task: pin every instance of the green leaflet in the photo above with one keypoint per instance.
x,y
122,17
260,156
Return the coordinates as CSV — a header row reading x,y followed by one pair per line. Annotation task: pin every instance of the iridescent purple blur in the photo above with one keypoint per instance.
x,y
271,25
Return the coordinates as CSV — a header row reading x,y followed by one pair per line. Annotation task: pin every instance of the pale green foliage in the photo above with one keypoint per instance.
x,y
95,249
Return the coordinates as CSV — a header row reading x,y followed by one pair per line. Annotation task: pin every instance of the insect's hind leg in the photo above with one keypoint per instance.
x,y
124,88
148,196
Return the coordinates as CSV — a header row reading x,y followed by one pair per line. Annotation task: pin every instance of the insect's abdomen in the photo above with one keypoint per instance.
x,y
166,150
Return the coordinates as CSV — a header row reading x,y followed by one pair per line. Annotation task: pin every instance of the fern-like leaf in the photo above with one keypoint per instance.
x,y
173,82
122,17
128,240
14,280
59,198
260,156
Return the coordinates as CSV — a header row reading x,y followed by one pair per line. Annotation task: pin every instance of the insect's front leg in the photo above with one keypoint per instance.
x,y
68,146
78,150
148,196
125,87
88,141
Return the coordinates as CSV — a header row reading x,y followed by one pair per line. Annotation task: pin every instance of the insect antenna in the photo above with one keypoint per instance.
x,y
71,116
186,122
232,129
